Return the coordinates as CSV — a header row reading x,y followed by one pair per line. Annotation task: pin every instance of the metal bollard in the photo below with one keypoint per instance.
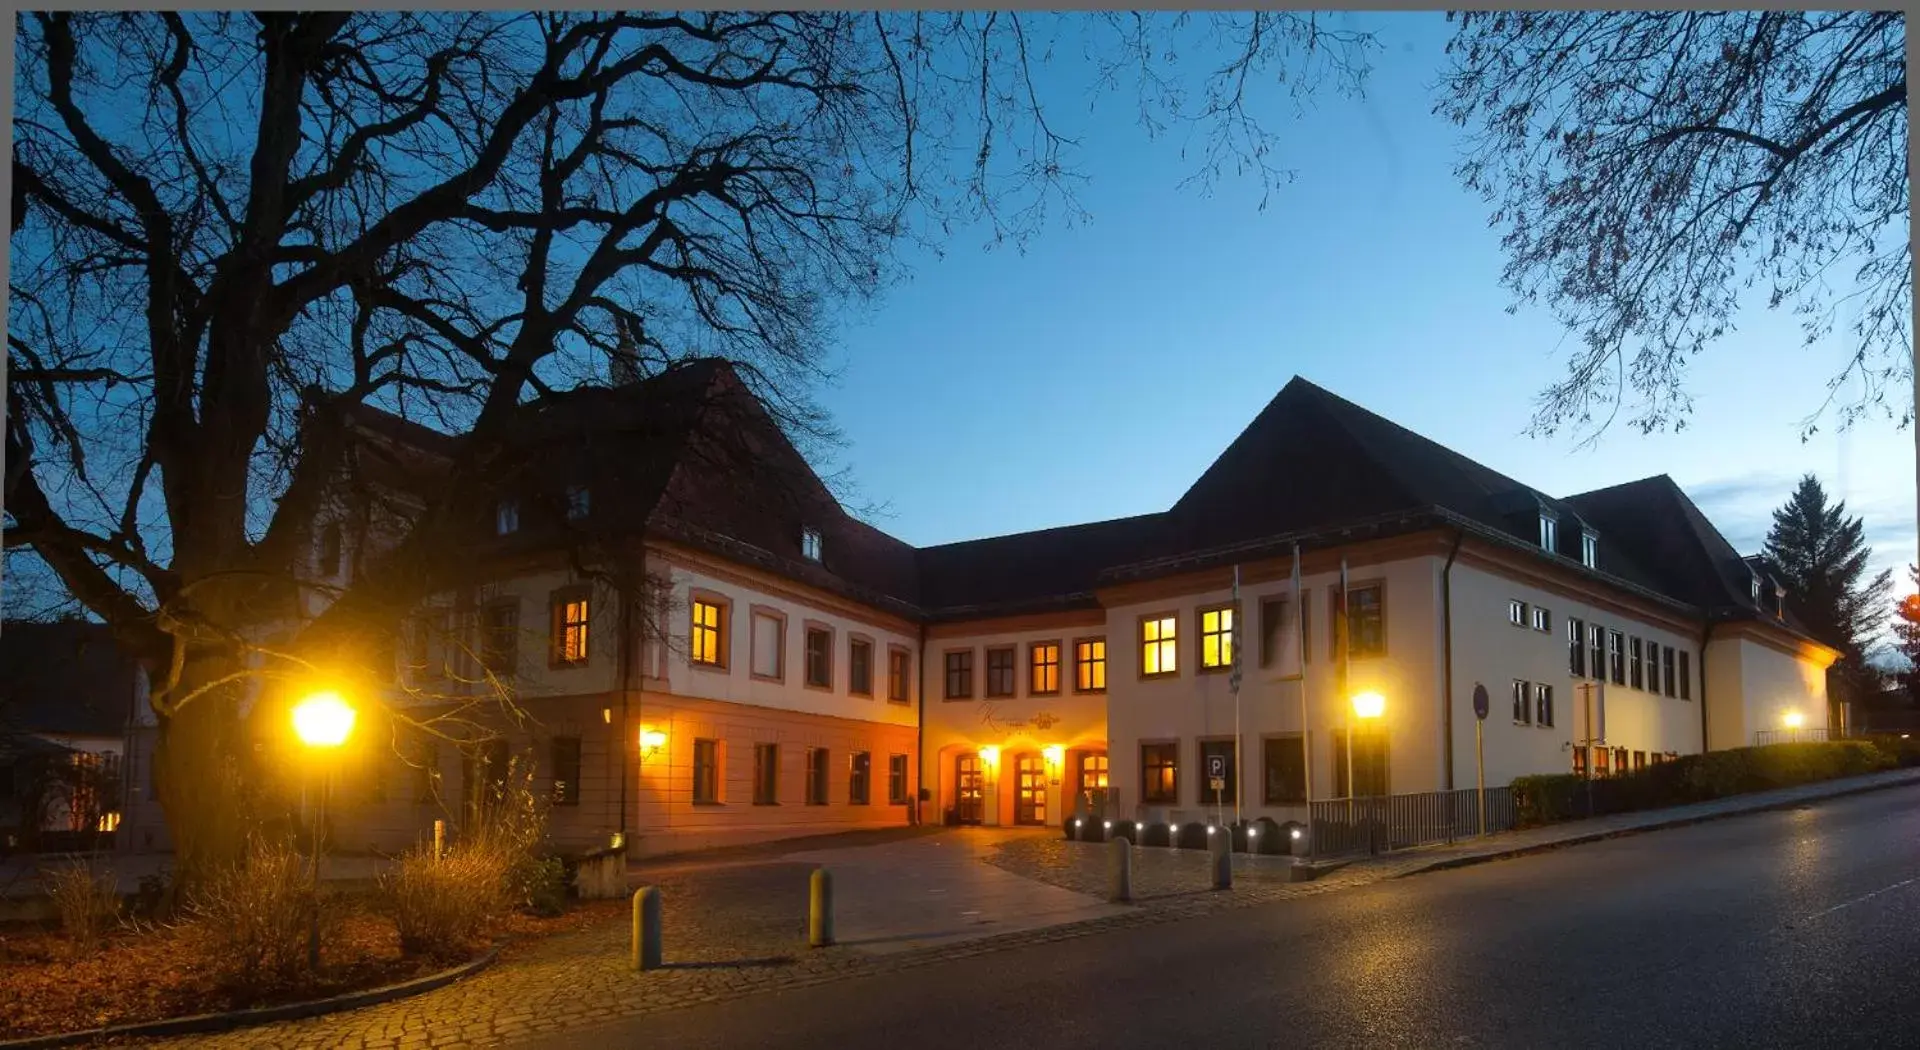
x,y
1220,845
820,909
646,928
1120,871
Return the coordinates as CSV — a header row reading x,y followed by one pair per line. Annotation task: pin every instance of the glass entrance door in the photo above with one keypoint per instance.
x,y
969,788
1030,790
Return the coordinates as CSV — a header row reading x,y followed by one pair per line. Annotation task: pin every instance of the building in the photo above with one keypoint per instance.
x,y
68,695
704,648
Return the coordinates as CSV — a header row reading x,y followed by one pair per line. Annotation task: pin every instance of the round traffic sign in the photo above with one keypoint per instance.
x,y
1480,701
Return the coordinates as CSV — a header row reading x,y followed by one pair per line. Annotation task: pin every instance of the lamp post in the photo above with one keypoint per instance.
x,y
1368,708
1793,720
322,721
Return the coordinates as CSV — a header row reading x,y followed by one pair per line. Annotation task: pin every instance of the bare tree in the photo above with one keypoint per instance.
x,y
1651,169
234,229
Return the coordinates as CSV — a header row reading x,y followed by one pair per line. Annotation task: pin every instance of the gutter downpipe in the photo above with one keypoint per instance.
x,y
1446,648
920,731
627,656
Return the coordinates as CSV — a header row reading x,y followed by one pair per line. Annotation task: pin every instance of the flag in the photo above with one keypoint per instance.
x,y
1340,630
1600,712
1233,657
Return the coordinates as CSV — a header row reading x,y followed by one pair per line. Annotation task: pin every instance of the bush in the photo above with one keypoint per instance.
x,y
1193,836
1902,752
1092,831
1124,829
258,913
88,902
441,906
1156,835
1069,827
1693,778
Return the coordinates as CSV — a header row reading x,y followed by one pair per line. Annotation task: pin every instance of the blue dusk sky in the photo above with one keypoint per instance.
x,y
1097,374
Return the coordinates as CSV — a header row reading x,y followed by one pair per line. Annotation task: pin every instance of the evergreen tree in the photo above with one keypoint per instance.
x,y
1906,636
1821,556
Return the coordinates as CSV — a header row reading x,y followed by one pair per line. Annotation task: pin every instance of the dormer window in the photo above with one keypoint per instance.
x,y
1779,602
1754,577
506,518
1590,550
1549,532
578,502
810,547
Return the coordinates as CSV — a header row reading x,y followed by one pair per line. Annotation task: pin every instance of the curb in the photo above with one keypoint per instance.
x,y
1450,863
201,1023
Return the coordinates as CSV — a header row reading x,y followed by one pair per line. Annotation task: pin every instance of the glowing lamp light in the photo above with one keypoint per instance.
x,y
1108,825
1210,829
1076,822
1253,833
651,740
990,755
1296,832
1793,720
1054,754
323,719
1369,705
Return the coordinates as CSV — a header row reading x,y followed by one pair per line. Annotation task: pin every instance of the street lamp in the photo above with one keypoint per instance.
x,y
1369,708
322,721
1793,720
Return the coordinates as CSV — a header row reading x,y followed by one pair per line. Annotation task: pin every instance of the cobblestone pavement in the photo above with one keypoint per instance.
x,y
739,930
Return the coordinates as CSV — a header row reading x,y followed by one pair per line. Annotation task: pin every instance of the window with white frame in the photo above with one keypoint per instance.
x,y
1590,550
1522,702
1542,619
1549,532
1517,613
811,547
1542,704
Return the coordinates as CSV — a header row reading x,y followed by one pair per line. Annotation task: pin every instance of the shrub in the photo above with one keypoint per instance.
x,y
1692,778
1902,752
258,913
1156,835
1069,827
1193,836
441,906
86,901
1124,829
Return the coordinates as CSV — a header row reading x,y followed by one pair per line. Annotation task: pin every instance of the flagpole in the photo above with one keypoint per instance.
x,y
1300,668
1233,680
1345,702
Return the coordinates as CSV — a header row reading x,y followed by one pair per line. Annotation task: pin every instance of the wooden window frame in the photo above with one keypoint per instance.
x,y
1013,673
557,602
856,777
1172,797
1333,636
1089,640
714,792
1141,643
906,773
947,692
819,777
1231,633
905,693
771,796
753,642
807,629
723,630
1033,666
854,640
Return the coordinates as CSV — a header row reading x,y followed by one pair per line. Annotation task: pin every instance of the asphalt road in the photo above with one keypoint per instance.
x,y
1797,928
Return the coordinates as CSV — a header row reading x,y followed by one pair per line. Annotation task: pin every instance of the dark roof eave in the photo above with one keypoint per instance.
x,y
666,528
1380,525
1074,602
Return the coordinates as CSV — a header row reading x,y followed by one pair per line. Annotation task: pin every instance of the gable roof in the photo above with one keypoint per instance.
x,y
1029,571
64,678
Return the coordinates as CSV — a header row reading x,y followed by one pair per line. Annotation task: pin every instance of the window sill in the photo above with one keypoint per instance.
x,y
776,679
711,804
714,668
863,695
902,703
1089,692
954,699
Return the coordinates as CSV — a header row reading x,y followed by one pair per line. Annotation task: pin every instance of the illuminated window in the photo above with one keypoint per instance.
x,y
1639,761
1602,762
1159,636
1579,761
860,667
706,646
1093,772
1159,781
899,672
569,628
1000,672
1090,665
1044,661
1216,638
960,674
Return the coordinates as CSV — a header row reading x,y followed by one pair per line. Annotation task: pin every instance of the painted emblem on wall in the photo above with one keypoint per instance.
x,y
1041,720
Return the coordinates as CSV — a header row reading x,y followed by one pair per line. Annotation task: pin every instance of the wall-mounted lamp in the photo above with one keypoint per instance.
x,y
651,740
606,715
1793,720
1054,755
990,756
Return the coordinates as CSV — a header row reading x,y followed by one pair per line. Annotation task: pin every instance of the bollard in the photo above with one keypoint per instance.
x,y
646,928
820,909
439,839
1120,871
1220,845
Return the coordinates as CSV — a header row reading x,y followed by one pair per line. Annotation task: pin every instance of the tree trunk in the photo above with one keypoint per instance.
x,y
200,770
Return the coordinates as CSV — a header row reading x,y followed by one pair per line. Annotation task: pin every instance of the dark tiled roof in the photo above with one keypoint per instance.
x,y
1029,571
64,678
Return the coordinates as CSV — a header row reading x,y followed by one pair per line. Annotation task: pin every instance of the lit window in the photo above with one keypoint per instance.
x,y
1589,550
1159,773
1549,533
1517,613
1216,638
506,518
705,642
578,502
1090,665
810,546
1093,772
1044,660
570,629
1158,639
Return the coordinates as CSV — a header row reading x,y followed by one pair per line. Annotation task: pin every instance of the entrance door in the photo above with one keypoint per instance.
x,y
1030,790
969,786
